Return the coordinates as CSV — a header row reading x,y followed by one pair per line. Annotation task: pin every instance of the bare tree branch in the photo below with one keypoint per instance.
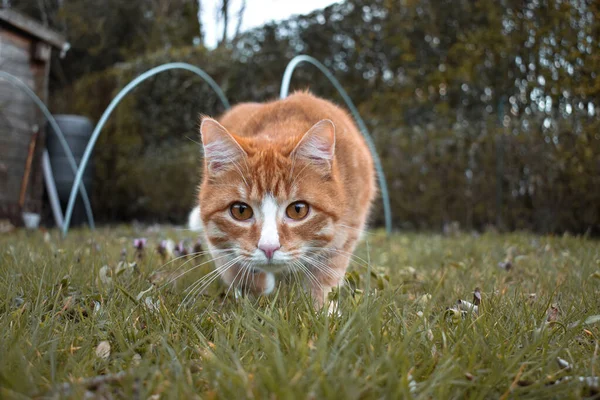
x,y
240,18
225,17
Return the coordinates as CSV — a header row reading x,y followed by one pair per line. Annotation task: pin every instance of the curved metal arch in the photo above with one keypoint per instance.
x,y
57,131
283,93
130,86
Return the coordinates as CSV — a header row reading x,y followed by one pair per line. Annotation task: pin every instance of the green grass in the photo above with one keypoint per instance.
x,y
389,340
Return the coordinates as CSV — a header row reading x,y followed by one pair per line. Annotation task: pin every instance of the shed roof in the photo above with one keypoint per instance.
x,y
33,28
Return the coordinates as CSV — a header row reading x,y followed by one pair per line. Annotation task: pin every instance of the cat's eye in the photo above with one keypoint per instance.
x,y
297,210
241,211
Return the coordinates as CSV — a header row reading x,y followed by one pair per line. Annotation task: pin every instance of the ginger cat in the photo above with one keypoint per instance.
x,y
287,187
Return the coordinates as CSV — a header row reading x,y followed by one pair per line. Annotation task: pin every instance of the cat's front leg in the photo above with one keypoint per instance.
x,y
327,274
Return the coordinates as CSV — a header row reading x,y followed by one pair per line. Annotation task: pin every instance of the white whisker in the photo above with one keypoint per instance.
x,y
309,274
351,256
326,269
191,269
205,281
321,267
194,255
361,231
232,283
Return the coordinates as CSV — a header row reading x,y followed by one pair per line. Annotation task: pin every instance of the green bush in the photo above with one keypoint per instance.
x,y
147,159
472,121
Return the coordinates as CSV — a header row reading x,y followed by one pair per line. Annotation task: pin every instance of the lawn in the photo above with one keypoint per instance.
x,y
71,327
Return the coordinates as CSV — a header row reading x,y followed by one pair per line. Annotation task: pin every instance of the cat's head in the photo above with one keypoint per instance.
x,y
274,204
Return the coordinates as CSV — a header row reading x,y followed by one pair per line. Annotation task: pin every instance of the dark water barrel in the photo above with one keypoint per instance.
x,y
77,131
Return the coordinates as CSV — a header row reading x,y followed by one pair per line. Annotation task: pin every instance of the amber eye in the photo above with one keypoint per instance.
x,y
241,211
297,210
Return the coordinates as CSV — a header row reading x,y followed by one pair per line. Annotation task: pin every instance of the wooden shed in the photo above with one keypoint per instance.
x,y
25,51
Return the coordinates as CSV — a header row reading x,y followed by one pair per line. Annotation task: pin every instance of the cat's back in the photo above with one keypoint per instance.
x,y
239,115
280,121
292,117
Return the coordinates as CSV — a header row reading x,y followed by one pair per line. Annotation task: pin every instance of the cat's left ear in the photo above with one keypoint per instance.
x,y
318,144
221,150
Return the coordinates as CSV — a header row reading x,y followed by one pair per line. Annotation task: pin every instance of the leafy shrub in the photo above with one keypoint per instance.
x,y
479,113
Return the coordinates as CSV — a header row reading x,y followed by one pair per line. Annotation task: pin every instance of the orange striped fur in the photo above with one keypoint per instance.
x,y
269,156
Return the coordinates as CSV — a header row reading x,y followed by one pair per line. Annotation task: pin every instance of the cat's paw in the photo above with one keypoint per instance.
x,y
261,283
269,283
334,309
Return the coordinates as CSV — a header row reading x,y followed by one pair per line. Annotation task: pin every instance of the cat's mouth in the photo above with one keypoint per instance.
x,y
281,261
271,265
280,269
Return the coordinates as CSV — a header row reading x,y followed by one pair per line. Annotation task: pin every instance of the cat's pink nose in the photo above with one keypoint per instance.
x,y
269,249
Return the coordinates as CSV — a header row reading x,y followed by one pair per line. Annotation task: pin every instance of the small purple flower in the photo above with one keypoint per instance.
x,y
162,247
180,249
140,243
166,248
197,247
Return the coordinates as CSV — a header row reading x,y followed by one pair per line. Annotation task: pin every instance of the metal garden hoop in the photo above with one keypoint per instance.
x,y
283,93
285,88
109,110
58,132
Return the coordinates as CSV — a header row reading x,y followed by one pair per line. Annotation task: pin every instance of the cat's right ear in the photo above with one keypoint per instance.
x,y
221,150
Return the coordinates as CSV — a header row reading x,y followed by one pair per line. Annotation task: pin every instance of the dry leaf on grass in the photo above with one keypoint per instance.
x,y
464,305
105,275
152,305
505,265
591,383
136,360
103,350
553,313
125,268
477,296
563,364
424,300
592,319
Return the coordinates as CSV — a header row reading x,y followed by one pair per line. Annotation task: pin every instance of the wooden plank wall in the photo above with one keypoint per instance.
x,y
18,117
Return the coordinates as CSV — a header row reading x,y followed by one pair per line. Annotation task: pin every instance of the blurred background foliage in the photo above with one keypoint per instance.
x,y
484,113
